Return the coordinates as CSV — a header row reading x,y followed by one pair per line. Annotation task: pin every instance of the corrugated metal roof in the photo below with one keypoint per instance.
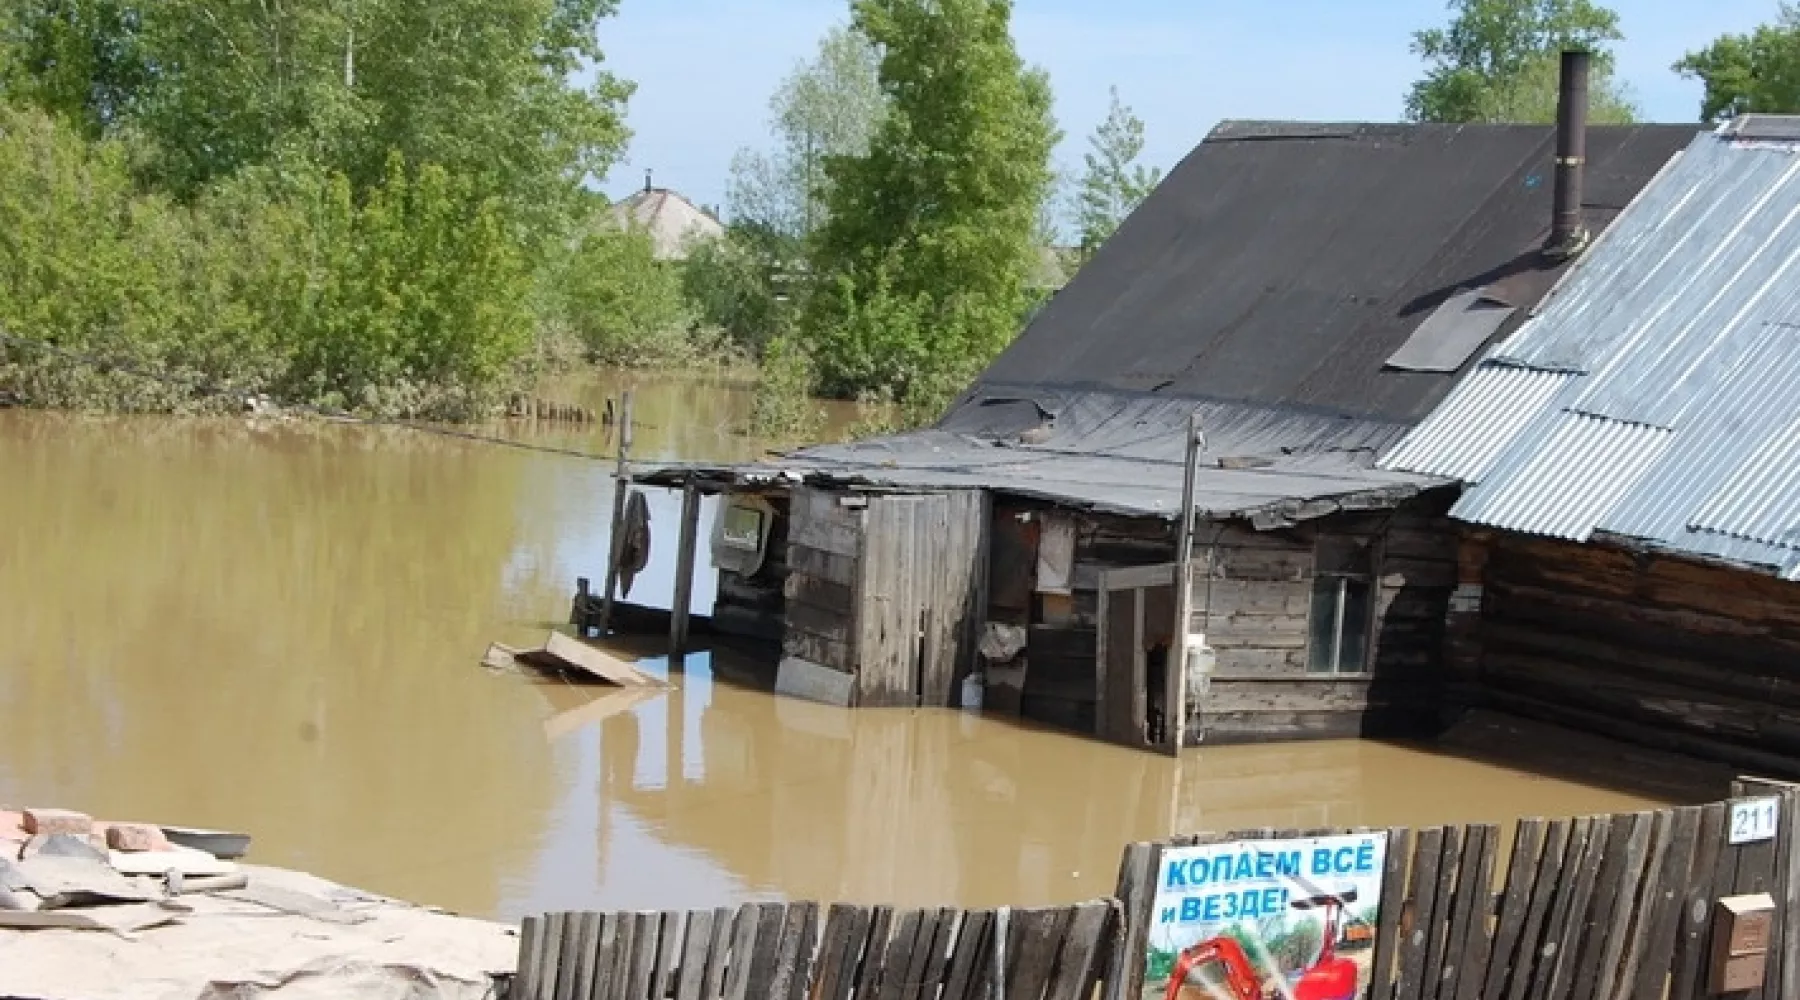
x,y
1482,415
1674,352
1585,468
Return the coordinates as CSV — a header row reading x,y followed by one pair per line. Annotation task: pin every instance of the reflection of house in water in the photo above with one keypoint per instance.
x,y
920,808
1309,292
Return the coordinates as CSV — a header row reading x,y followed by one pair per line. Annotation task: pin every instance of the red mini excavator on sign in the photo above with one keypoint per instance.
x,y
1331,977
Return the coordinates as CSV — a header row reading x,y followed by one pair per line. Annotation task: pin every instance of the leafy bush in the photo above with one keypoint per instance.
x,y
413,302
624,304
784,408
731,285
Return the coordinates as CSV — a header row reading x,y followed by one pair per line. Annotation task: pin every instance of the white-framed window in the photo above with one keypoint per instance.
x,y
1342,609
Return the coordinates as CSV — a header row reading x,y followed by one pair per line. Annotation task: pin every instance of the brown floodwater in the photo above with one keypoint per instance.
x,y
276,628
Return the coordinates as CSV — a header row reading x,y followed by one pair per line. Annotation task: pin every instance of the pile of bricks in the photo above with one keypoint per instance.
x,y
24,832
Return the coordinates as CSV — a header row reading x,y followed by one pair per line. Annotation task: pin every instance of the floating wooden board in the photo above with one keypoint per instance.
x,y
565,653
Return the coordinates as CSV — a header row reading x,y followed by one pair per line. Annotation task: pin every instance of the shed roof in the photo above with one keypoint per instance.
x,y
1656,397
1269,281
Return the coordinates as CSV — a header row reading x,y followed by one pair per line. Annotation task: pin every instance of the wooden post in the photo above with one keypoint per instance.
x,y
1175,677
621,489
684,573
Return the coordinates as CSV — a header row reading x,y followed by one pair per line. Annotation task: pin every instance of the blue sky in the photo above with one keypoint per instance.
x,y
705,68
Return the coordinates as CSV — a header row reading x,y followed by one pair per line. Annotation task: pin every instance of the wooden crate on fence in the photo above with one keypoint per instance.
x,y
784,951
1594,908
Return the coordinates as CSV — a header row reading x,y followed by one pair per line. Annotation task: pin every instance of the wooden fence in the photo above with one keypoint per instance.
x,y
780,951
1596,908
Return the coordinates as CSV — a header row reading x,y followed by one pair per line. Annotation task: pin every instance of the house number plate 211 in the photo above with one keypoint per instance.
x,y
1754,820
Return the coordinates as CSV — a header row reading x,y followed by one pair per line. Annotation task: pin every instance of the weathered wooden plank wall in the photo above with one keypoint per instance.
x,y
920,568
785,952
1593,908
1253,600
1667,654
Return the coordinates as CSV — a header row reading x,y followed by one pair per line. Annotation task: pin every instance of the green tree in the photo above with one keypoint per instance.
x,y
480,87
77,59
1498,61
829,106
922,268
624,304
740,285
1114,183
1759,71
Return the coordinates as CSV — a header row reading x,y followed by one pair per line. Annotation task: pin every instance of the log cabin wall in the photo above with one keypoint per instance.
x,y
1666,653
1367,592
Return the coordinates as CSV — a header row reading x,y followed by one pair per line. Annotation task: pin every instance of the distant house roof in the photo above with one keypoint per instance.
x,y
1313,289
1656,397
672,221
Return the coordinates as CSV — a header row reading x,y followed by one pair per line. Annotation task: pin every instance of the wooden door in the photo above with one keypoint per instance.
x,y
923,558
1136,612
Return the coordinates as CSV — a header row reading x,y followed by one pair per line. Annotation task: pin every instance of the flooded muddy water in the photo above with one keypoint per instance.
x,y
276,628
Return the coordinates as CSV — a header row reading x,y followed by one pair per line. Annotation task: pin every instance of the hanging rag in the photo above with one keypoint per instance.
x,y
1056,555
634,548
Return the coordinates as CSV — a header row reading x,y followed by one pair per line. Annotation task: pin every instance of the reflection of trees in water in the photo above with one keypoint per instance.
x,y
270,630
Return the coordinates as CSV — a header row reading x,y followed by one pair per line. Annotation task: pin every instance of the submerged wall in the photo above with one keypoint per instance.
x,y
1696,659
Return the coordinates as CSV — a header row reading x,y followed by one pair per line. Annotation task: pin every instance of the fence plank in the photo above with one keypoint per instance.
x,y
647,942
549,957
696,938
531,946
937,967
668,953
897,956
1644,846
973,938
1031,951
587,952
874,953
1589,921
1790,898
846,927
1573,928
1397,865
1136,890
1467,934
1437,926
794,961
1653,947
1546,941
1515,900
1696,910
718,952
1076,969
1428,861
606,951
770,918
1543,892
743,952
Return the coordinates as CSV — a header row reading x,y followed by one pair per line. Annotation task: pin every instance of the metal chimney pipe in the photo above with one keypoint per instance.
x,y
1567,237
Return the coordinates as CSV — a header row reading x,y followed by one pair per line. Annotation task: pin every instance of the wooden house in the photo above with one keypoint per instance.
x,y
1305,293
1630,555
